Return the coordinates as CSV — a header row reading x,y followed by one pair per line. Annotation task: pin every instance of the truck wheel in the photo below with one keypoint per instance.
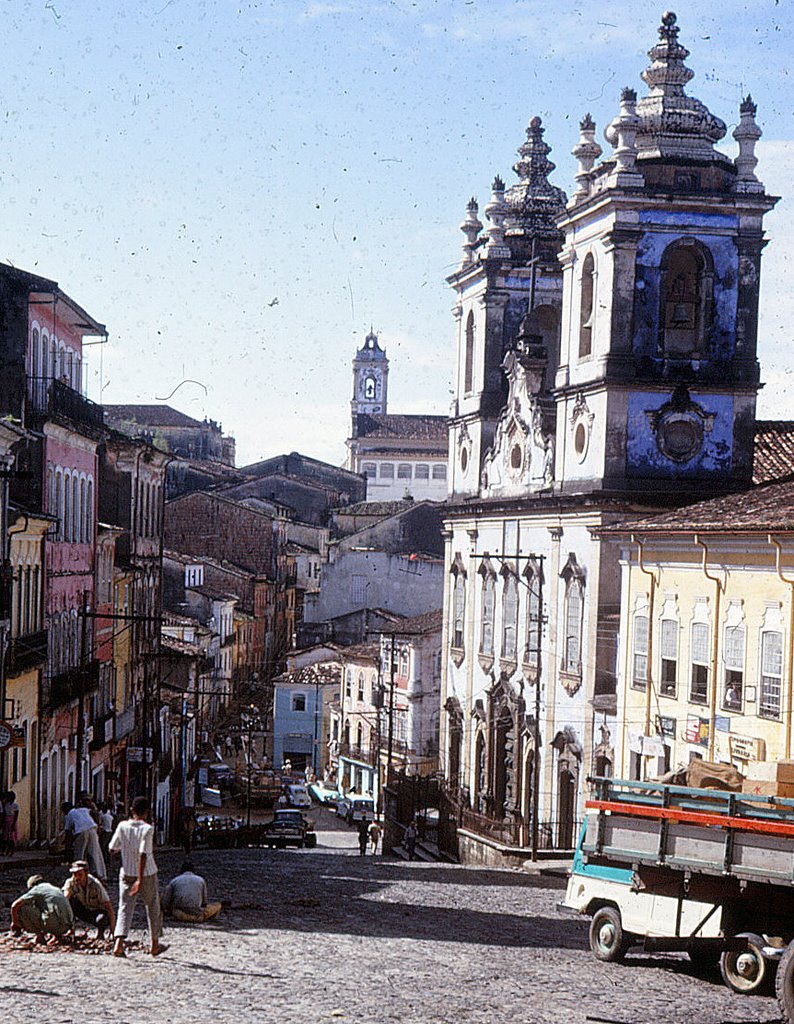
x,y
746,970
607,939
784,983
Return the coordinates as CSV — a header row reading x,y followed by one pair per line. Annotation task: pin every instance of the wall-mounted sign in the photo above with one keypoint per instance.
x,y
747,748
6,735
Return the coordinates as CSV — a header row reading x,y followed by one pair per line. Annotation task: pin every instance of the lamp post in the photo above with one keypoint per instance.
x,y
250,718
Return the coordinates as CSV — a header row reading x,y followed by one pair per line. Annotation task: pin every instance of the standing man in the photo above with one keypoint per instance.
x,y
79,824
134,840
374,836
89,899
363,836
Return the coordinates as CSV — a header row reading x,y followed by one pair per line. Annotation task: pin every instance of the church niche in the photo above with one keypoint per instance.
x,y
687,286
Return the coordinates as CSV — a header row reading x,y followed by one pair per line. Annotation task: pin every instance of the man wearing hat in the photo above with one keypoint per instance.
x,y
43,910
89,899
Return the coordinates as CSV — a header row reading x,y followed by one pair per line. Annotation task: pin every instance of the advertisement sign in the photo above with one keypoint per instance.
x,y
746,748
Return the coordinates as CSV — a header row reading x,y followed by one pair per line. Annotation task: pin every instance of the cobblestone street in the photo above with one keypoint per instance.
x,y
323,935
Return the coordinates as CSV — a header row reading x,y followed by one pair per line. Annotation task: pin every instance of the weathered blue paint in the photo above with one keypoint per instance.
x,y
643,456
676,218
602,871
515,311
650,250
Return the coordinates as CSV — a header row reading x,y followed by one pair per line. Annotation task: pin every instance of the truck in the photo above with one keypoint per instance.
x,y
706,872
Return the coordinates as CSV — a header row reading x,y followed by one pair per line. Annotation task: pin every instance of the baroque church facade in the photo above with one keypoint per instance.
x,y
606,369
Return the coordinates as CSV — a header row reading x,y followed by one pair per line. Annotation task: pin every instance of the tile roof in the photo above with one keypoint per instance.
x,y
151,415
375,508
774,450
425,428
768,507
418,625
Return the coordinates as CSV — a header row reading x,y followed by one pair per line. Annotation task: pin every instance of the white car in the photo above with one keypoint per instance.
x,y
354,807
323,794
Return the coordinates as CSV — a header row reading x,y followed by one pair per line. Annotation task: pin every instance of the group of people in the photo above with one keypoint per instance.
x,y
45,910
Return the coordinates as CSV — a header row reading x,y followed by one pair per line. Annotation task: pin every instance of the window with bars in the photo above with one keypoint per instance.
x,y
699,679
771,673
734,668
639,671
669,650
488,608
509,617
573,628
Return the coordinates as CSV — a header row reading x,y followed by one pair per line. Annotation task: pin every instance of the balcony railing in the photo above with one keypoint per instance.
x,y
365,754
27,651
125,722
67,686
50,396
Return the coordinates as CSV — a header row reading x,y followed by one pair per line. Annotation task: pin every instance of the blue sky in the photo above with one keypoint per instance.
x,y
238,190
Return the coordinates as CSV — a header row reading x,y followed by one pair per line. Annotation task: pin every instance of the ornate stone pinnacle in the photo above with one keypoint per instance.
x,y
496,211
747,133
747,106
586,151
534,165
471,228
628,95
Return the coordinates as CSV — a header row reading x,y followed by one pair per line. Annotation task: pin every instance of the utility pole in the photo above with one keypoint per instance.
x,y
81,676
316,746
391,714
536,758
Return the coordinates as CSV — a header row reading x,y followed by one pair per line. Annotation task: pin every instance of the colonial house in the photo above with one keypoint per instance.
x,y
606,369
707,609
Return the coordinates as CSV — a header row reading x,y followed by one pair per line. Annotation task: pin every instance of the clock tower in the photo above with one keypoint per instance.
x,y
370,379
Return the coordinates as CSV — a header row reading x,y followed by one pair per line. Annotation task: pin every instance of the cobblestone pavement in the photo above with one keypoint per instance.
x,y
324,935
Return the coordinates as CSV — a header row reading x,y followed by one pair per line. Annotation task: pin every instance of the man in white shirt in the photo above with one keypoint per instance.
x,y
80,824
134,840
185,897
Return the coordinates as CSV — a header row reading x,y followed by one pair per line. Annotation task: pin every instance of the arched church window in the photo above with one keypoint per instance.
x,y
458,606
509,616
488,607
686,287
534,632
468,367
587,307
370,389
573,627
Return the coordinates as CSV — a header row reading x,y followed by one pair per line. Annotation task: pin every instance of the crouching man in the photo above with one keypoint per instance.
x,y
185,897
89,899
43,910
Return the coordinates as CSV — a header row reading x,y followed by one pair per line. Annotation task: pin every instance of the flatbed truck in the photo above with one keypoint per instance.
x,y
706,872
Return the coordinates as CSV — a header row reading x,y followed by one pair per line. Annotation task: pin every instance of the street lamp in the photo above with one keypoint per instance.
x,y
251,720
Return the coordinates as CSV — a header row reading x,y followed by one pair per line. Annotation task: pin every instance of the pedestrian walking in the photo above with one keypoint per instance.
x,y
374,836
105,828
134,840
409,840
10,833
79,824
363,836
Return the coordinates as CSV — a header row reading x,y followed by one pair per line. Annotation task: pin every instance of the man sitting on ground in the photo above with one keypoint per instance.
x,y
89,899
43,910
185,897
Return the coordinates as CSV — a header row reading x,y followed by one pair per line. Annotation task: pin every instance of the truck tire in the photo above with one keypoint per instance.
x,y
746,970
607,939
784,984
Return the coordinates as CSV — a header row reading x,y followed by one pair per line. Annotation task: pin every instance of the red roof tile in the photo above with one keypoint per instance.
x,y
409,428
774,450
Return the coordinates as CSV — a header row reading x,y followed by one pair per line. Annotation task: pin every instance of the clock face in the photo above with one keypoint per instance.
x,y
6,735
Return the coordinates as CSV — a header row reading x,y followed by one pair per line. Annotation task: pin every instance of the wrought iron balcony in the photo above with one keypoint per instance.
x,y
66,686
27,651
49,396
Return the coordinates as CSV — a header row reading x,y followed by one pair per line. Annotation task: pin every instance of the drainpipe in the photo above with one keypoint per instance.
x,y
719,586
651,599
779,568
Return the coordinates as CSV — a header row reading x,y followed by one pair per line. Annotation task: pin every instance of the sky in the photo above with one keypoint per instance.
x,y
239,190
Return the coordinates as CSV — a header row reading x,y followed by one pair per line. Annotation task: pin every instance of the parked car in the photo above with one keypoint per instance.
x,y
289,827
324,794
354,807
298,795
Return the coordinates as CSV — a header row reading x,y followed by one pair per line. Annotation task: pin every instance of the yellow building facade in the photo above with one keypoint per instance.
x,y
706,646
